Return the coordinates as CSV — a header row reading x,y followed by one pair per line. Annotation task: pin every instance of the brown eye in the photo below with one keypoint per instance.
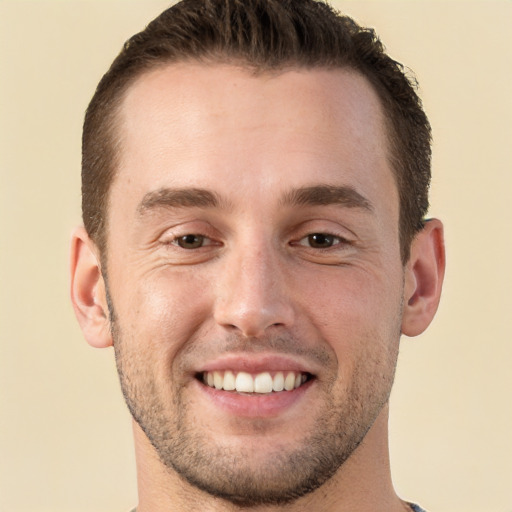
x,y
190,241
321,240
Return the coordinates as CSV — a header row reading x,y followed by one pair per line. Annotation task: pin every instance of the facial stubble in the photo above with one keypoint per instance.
x,y
288,473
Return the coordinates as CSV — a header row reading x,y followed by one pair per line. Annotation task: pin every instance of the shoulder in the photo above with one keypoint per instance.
x,y
414,507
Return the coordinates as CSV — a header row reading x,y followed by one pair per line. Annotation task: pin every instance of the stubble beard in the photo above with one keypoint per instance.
x,y
288,474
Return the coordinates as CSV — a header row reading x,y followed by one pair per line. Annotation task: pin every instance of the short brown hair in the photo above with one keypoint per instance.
x,y
262,35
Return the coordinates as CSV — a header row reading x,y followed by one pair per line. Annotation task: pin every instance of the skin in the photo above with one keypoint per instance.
x,y
256,291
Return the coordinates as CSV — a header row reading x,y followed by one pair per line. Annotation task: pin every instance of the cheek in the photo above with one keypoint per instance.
x,y
355,312
161,311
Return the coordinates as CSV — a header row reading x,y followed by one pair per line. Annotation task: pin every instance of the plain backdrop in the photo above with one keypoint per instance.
x,y
65,436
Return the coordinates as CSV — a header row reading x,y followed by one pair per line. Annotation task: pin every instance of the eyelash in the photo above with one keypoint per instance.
x,y
332,240
176,241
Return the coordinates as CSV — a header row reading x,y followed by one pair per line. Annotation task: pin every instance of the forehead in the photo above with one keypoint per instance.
x,y
215,125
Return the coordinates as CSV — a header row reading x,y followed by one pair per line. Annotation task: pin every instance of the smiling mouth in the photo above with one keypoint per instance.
x,y
260,383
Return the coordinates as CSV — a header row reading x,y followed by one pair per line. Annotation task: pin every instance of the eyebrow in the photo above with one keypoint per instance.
x,y
321,195
318,195
180,198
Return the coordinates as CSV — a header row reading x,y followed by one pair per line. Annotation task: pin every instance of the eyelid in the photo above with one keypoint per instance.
x,y
339,240
334,225
207,241
171,235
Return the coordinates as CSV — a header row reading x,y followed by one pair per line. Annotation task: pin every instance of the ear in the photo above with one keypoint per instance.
x,y
424,275
88,290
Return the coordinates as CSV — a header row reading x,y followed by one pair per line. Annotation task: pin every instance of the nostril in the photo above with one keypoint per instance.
x,y
252,314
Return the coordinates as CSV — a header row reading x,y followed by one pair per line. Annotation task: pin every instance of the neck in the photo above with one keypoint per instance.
x,y
362,483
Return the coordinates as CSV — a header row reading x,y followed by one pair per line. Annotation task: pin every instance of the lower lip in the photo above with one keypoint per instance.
x,y
255,405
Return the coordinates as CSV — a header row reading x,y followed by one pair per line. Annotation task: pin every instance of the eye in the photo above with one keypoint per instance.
x,y
320,240
191,241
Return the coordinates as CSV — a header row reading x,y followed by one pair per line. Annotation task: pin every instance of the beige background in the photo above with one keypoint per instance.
x,y
65,439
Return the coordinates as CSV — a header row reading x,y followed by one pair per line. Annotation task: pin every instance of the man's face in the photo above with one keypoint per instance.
x,y
253,242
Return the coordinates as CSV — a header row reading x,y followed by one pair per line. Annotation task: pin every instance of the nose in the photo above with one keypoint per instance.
x,y
252,295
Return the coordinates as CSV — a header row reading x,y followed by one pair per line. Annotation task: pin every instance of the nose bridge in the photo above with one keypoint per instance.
x,y
252,295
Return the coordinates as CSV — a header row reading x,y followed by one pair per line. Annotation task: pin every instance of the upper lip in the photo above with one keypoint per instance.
x,y
257,364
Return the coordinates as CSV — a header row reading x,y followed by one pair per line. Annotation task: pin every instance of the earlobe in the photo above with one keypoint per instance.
x,y
424,275
88,290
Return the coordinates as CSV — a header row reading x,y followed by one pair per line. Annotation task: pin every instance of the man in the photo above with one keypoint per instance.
x,y
255,179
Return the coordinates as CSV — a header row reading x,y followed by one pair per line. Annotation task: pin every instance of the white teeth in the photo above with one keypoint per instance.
x,y
244,382
263,383
278,384
289,382
218,381
229,381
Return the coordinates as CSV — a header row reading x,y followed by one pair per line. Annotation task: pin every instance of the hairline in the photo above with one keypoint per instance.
x,y
256,69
